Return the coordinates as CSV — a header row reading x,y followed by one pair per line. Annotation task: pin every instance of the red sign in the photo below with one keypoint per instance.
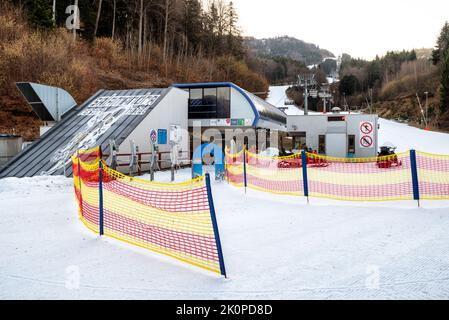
x,y
366,128
366,142
153,136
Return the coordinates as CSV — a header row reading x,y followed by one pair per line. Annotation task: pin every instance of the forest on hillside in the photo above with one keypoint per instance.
x,y
410,86
400,83
116,44
120,44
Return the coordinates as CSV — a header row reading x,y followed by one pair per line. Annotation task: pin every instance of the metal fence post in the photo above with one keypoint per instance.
x,y
244,168
215,225
415,181
100,189
304,174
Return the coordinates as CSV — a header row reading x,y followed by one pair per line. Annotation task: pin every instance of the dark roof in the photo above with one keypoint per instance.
x,y
261,108
106,115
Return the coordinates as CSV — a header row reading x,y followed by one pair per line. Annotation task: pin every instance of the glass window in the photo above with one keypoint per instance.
x,y
203,103
223,103
210,97
196,94
321,144
351,143
300,142
336,118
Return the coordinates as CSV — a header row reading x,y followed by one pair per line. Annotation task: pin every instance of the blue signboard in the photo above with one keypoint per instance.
x,y
162,136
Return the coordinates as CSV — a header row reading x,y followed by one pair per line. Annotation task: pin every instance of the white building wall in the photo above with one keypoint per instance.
x,y
316,125
240,107
172,110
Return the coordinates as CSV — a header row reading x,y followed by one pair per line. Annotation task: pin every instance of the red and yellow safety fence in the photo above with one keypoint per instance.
x,y
405,176
177,220
433,176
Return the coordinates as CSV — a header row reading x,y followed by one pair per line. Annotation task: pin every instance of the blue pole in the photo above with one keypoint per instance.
x,y
244,168
100,188
304,174
215,225
415,181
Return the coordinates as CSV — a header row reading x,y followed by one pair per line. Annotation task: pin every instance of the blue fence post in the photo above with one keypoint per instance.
x,y
415,181
215,225
100,188
244,168
304,174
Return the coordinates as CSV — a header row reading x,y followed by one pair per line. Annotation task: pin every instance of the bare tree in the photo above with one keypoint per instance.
x,y
113,18
141,11
98,16
167,9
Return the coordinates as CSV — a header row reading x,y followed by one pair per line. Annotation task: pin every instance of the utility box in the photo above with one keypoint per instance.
x,y
10,145
336,134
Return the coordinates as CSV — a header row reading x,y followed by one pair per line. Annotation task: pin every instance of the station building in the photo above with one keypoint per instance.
x,y
335,134
224,105
138,118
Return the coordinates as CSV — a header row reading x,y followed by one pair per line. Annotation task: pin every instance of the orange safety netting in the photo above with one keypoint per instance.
x,y
433,176
354,179
172,219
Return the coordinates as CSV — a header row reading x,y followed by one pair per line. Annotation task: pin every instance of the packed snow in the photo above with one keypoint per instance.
x,y
277,97
275,247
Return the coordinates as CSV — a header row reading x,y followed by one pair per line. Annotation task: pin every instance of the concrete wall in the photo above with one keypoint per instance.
x,y
172,110
9,147
315,125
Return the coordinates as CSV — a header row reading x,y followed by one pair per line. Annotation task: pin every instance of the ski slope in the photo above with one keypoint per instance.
x,y
277,97
275,247
401,135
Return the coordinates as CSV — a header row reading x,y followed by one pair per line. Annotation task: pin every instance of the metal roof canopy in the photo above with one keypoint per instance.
x,y
49,103
262,109
109,114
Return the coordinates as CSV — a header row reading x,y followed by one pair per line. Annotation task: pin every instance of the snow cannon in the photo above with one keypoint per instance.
x,y
387,157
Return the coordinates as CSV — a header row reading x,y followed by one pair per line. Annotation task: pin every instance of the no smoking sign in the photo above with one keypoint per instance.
x,y
366,142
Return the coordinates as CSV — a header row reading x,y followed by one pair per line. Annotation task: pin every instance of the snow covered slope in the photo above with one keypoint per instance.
x,y
406,137
277,98
401,135
274,247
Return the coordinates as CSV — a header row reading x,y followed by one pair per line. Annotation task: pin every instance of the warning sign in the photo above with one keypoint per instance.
x,y
367,134
153,136
366,142
367,127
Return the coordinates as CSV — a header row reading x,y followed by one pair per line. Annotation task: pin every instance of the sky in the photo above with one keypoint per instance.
x,y
361,28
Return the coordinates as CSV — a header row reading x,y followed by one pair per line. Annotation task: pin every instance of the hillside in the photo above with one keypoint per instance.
x,y
394,81
290,47
31,52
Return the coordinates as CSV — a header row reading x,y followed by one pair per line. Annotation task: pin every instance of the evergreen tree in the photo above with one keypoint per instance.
x,y
442,45
440,57
349,85
211,21
40,13
444,88
193,24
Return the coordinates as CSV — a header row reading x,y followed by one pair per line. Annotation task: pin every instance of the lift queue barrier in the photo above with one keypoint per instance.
x,y
177,220
406,176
